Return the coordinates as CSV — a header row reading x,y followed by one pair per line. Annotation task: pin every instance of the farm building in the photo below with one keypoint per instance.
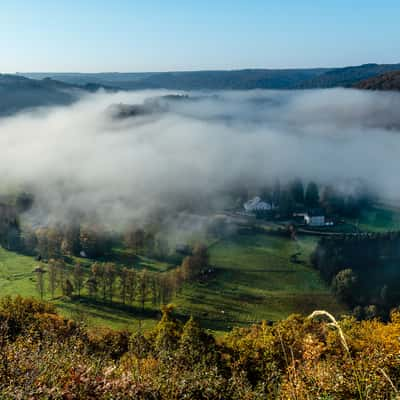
x,y
256,205
315,217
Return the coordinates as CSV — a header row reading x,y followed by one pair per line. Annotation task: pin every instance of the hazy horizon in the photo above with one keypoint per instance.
x,y
198,70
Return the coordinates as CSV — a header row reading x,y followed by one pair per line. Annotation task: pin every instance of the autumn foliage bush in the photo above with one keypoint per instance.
x,y
45,356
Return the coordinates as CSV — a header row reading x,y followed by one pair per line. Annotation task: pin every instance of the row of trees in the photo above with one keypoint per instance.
x,y
55,241
296,196
9,225
74,238
141,241
358,251
9,221
91,240
290,196
105,281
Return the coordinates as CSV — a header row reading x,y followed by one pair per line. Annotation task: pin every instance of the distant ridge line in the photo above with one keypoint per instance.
x,y
236,79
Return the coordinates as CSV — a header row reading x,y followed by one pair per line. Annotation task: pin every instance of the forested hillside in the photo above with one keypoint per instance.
x,y
362,270
348,76
388,81
236,79
19,93
44,356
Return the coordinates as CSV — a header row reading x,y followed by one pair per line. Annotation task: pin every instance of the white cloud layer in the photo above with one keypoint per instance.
x,y
79,158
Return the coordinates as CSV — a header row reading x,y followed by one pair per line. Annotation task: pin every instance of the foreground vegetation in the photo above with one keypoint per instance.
x,y
43,355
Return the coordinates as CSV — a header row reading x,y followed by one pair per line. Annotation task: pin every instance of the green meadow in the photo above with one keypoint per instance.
x,y
254,277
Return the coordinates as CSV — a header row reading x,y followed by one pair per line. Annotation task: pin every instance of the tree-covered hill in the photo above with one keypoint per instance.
x,y
387,81
348,76
307,78
19,93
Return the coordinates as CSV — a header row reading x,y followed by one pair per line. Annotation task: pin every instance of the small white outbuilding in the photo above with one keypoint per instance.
x,y
313,218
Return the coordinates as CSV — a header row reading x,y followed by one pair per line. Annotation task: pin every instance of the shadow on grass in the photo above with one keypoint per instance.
x,y
119,313
112,311
127,258
120,257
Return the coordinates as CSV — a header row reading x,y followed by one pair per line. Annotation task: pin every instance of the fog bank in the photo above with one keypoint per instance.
x,y
81,158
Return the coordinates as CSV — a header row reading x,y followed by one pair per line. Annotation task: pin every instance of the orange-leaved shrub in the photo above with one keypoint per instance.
x,y
45,356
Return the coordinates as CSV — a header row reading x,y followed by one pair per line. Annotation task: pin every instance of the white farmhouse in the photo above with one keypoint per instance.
x,y
256,204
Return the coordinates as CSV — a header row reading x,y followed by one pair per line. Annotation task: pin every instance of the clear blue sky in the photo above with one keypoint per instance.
x,y
151,35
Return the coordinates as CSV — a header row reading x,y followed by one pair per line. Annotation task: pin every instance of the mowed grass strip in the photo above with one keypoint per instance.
x,y
16,274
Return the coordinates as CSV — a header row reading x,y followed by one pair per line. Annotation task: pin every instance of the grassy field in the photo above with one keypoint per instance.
x,y
254,279
17,277
380,219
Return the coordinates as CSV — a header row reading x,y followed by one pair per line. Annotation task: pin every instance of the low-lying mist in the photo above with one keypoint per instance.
x,y
86,160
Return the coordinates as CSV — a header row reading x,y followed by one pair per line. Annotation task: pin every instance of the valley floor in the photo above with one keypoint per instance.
x,y
254,279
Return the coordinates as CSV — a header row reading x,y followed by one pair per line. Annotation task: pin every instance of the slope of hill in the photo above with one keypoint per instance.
x,y
254,279
347,77
114,79
238,80
20,93
224,80
193,80
388,81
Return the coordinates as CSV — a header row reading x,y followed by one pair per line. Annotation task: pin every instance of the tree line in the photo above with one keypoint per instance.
x,y
105,281
296,196
362,269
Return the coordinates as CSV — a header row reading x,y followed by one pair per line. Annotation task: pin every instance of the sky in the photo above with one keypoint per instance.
x,y
168,35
